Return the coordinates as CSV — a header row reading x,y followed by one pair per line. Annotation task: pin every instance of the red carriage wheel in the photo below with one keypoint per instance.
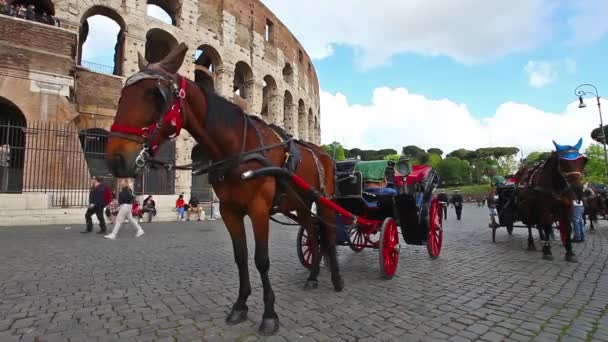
x,y
389,247
356,239
435,238
304,248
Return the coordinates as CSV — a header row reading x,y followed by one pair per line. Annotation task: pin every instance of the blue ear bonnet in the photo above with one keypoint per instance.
x,y
569,152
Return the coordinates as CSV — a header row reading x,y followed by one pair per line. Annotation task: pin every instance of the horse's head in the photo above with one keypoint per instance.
x,y
150,112
571,165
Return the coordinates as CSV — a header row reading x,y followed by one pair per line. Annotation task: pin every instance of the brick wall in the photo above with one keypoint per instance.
x,y
93,89
36,36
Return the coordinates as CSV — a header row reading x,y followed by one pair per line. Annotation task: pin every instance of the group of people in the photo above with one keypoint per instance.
x,y
185,210
455,201
27,12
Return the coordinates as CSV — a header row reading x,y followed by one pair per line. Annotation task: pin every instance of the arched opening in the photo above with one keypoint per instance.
x,y
158,45
12,146
158,180
271,100
40,6
311,126
166,11
289,122
243,80
302,121
206,60
102,39
93,142
288,74
200,187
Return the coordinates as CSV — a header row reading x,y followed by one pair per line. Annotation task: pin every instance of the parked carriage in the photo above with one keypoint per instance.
x,y
377,197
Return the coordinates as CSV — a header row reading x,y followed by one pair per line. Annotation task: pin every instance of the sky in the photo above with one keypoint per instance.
x,y
452,73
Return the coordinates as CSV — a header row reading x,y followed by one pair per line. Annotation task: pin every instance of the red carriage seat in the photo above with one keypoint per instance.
x,y
418,174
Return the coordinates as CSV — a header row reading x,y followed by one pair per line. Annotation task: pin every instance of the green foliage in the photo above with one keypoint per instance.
x,y
434,150
469,190
412,151
454,171
369,154
335,150
434,160
535,157
392,157
463,154
595,170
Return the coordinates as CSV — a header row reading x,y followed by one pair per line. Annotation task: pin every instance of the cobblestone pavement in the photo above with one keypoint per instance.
x,y
177,283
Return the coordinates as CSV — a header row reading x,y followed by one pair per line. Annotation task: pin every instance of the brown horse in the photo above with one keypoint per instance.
x,y
594,206
545,193
156,102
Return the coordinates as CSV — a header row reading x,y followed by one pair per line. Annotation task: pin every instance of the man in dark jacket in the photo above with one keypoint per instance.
x,y
96,205
457,201
443,200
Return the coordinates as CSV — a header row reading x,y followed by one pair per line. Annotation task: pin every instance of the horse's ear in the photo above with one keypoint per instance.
x,y
557,146
175,58
141,61
579,144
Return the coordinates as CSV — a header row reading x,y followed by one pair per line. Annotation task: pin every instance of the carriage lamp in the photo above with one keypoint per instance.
x,y
581,103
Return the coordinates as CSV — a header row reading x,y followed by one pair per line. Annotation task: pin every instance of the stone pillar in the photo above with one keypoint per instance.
x,y
133,45
224,80
302,124
253,97
290,122
275,109
183,151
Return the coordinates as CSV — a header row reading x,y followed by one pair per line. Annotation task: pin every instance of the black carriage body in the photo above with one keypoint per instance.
x,y
507,204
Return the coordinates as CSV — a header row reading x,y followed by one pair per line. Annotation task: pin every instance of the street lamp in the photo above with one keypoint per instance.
x,y
580,93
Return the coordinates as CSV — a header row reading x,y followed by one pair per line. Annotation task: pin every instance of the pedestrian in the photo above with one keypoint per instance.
x,y
180,207
125,201
30,12
148,206
193,207
443,200
96,205
492,203
578,210
456,202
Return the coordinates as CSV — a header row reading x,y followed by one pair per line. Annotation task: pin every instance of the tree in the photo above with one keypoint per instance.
x,y
434,150
454,171
335,150
595,170
392,157
434,160
463,154
412,151
535,157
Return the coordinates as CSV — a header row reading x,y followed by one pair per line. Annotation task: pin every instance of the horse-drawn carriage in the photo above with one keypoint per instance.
x,y
506,206
385,195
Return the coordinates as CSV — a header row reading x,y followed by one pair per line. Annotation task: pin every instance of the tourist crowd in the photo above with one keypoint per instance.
x,y
27,12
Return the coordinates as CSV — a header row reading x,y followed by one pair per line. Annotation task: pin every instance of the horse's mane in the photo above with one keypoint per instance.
x,y
550,173
221,111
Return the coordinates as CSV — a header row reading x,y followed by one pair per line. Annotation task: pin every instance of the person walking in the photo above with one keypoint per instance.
x,y
96,205
125,200
443,200
578,210
457,203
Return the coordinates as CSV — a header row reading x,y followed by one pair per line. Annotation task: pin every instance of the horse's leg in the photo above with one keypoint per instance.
x,y
328,241
565,230
531,246
305,220
547,227
259,211
234,222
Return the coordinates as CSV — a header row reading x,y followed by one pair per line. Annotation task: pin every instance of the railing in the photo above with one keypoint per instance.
x,y
99,68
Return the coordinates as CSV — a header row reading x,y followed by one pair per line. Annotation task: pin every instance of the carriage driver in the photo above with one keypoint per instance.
x,y
492,199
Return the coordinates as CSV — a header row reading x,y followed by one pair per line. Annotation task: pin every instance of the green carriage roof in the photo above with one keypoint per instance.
x,y
372,170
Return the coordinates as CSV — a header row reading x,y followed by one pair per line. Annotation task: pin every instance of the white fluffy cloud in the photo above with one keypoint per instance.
x,y
397,118
542,73
468,31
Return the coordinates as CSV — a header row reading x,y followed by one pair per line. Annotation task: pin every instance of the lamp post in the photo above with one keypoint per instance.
x,y
580,93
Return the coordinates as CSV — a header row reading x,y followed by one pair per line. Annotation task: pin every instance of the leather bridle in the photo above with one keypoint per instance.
x,y
173,114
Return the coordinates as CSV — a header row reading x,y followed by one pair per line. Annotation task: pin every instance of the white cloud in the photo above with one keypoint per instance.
x,y
542,73
468,31
589,24
101,40
397,118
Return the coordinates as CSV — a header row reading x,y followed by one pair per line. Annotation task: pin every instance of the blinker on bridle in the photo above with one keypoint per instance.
x,y
172,114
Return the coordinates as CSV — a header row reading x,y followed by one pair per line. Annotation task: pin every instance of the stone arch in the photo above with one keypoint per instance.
x,y
42,6
110,15
289,122
302,121
243,80
271,100
288,74
171,7
158,44
200,186
12,146
207,61
93,142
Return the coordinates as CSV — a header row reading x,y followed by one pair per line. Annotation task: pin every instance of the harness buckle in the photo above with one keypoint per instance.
x,y
145,132
181,94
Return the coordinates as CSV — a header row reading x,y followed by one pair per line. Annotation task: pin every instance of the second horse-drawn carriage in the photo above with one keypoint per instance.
x,y
384,196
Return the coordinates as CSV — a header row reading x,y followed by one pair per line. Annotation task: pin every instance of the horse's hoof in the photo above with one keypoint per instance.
x,y
311,285
236,316
571,258
548,257
531,248
338,284
269,326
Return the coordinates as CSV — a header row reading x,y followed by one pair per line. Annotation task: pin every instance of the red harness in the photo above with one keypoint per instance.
x,y
174,117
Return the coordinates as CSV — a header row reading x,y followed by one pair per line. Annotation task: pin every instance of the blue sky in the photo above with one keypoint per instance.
x,y
451,73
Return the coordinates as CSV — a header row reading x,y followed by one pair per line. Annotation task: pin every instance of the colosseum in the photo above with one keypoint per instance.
x,y
56,107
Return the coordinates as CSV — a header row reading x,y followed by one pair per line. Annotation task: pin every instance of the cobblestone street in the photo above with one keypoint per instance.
x,y
178,281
